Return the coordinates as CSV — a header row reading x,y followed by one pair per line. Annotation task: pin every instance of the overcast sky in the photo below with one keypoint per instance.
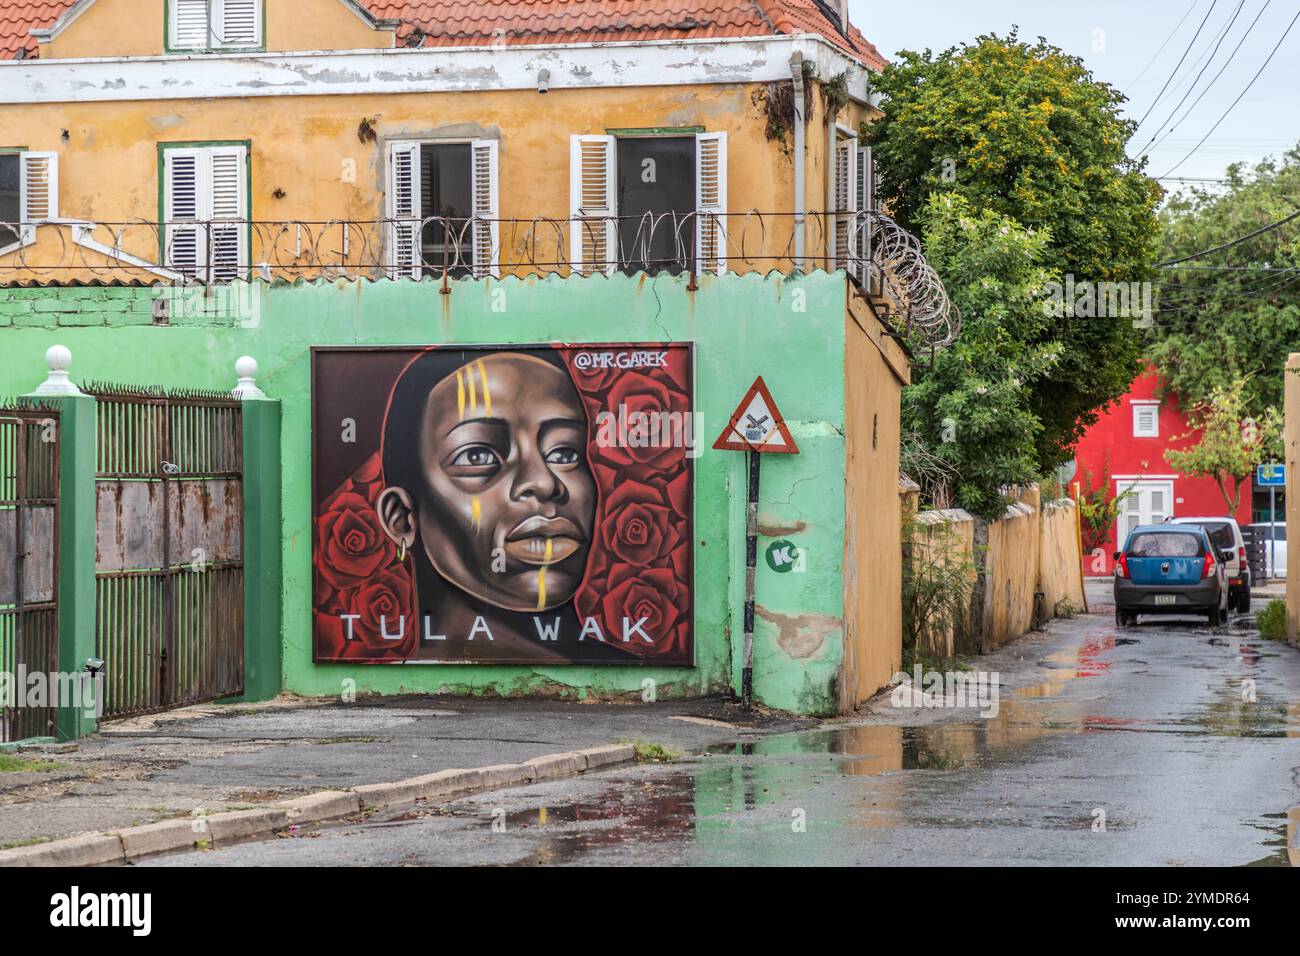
x,y
1121,41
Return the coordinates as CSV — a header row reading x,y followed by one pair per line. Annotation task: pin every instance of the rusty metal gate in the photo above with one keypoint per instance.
x,y
169,570
29,569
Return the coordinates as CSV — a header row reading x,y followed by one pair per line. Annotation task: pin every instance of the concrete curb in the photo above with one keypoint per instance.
x,y
131,843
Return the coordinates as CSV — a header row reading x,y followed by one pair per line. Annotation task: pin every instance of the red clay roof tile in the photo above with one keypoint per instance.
x,y
18,18
435,23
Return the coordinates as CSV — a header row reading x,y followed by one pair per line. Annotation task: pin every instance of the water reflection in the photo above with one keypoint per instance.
x,y
793,798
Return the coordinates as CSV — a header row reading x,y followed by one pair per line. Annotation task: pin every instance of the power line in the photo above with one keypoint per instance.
x,y
1234,242
1173,269
1156,55
1227,63
1176,68
1239,97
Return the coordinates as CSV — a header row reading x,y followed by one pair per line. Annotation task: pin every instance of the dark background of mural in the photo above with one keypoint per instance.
x,y
640,562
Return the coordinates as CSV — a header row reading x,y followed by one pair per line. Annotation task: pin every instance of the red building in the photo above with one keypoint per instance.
x,y
1127,449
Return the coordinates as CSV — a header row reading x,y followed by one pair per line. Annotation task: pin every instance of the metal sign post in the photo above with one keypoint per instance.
x,y
1272,532
756,428
751,563
1271,476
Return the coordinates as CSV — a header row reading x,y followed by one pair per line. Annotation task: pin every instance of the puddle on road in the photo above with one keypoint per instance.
x,y
1286,839
737,798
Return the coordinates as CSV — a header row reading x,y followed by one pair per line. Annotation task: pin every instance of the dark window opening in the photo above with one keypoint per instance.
x,y
11,212
1221,534
446,191
831,12
656,203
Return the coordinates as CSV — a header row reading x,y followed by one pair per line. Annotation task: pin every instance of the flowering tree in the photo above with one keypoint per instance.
x,y
1231,442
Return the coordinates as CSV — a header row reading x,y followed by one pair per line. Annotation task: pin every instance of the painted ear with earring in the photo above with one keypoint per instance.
x,y
396,513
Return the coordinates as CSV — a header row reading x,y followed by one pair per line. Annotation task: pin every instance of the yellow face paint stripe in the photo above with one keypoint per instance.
x,y
460,394
473,395
475,511
541,576
487,392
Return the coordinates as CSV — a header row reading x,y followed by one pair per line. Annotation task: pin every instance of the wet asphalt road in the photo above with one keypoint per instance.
x,y
1161,744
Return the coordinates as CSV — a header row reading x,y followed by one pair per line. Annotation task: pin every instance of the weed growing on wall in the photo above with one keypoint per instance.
x,y
937,580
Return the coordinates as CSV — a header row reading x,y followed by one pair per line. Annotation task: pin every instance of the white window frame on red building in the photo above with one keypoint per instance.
x,y
1141,405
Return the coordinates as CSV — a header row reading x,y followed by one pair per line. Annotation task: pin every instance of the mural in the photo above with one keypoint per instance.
x,y
503,504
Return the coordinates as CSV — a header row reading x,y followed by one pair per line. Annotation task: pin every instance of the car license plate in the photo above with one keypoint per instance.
x,y
1165,599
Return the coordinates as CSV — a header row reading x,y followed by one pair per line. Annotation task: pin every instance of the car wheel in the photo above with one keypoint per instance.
x,y
1243,601
1215,616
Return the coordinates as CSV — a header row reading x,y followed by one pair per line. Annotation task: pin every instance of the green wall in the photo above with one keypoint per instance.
x,y
790,330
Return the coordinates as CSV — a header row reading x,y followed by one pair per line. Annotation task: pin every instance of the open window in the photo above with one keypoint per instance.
x,y
205,211
29,195
443,208
648,202
202,25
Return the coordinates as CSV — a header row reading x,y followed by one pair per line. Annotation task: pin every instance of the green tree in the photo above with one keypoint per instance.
x,y
972,408
1231,442
1025,130
1219,317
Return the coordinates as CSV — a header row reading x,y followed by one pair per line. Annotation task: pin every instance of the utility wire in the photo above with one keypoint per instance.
x,y
1261,269
1215,52
1156,55
1231,56
1178,67
1264,66
1234,242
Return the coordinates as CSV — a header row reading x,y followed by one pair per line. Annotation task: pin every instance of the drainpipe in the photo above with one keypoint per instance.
x,y
831,135
844,16
796,73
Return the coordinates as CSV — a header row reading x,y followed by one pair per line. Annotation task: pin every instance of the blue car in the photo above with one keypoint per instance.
x,y
1170,569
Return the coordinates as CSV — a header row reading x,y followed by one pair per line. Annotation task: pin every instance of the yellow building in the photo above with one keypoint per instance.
x,y
156,139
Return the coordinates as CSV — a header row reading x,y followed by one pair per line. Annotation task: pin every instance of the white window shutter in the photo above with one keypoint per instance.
x,y
593,245
38,190
711,202
866,184
404,210
487,209
1157,505
228,211
184,244
1146,421
237,23
846,202
189,25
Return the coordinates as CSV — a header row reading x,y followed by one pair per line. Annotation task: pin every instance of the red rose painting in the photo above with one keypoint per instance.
x,y
547,519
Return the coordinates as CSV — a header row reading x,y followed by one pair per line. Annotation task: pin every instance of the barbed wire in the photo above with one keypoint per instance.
x,y
883,258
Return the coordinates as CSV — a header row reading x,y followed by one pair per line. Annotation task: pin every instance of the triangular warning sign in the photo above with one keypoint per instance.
x,y
757,425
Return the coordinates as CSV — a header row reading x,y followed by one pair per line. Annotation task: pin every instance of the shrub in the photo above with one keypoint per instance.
x,y
1272,620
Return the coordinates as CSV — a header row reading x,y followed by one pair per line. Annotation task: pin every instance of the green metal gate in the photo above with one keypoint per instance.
x,y
29,568
169,570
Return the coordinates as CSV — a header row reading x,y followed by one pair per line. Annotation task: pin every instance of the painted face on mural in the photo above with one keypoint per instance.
x,y
505,502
